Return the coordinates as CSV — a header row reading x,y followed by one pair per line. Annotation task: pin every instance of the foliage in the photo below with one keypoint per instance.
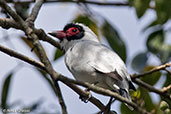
x,y
156,45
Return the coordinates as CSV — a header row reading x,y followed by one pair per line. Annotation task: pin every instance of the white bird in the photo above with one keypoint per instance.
x,y
90,61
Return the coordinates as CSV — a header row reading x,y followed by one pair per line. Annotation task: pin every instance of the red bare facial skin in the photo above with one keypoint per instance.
x,y
58,34
72,31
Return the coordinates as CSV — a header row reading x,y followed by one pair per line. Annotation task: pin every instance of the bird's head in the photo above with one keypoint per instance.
x,y
73,33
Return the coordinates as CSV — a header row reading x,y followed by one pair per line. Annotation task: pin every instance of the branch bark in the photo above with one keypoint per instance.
x,y
116,4
79,1
152,89
7,23
42,36
35,11
158,68
22,57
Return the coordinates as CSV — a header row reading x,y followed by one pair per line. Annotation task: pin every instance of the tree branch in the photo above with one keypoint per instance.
x,y
79,1
22,57
7,23
14,15
60,97
44,58
42,36
82,93
70,83
166,89
102,91
120,4
35,41
39,65
158,68
168,71
152,89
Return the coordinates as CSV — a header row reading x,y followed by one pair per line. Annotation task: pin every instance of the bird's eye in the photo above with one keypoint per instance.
x,y
74,30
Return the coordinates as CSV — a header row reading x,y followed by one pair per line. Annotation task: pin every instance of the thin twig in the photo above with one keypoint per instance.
x,y
168,71
35,11
79,1
165,89
152,89
158,68
60,97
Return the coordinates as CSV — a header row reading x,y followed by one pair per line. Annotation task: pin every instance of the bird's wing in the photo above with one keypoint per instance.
x,y
109,63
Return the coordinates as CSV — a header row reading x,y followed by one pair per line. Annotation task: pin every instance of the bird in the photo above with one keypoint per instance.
x,y
90,61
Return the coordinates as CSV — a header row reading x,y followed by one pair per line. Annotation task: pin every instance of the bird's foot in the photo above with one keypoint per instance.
x,y
87,90
85,99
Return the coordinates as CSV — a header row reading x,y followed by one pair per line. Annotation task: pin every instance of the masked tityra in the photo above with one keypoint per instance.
x,y
90,61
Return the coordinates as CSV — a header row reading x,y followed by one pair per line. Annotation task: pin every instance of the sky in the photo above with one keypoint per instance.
x,y
28,86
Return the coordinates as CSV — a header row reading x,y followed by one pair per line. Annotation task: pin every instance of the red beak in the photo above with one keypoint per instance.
x,y
58,34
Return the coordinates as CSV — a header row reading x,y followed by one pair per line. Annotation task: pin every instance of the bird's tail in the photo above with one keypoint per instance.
x,y
125,93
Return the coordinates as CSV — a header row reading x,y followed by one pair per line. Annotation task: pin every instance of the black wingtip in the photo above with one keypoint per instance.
x,y
131,86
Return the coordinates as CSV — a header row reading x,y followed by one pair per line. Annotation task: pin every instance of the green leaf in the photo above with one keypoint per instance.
x,y
148,104
125,110
5,91
151,78
58,54
168,80
42,72
86,20
155,40
139,61
144,101
155,44
141,6
163,10
166,84
163,105
135,94
131,2
152,24
22,9
114,39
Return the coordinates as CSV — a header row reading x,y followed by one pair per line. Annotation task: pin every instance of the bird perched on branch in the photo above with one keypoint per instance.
x,y
90,61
